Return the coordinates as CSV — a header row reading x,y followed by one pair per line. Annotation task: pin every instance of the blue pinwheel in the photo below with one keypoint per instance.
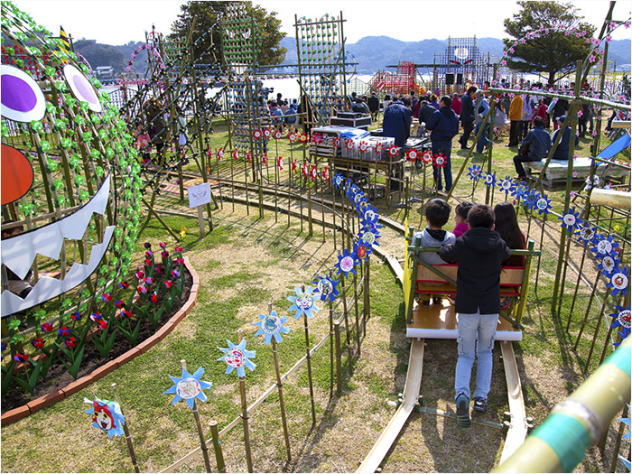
x,y
586,235
626,421
489,179
530,198
543,204
362,249
303,302
604,245
369,216
347,262
570,220
520,191
474,172
271,326
106,416
237,357
370,234
619,282
506,185
360,200
338,179
608,263
327,288
621,320
188,387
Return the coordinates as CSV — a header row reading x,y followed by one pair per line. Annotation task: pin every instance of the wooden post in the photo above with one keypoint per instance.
x,y
217,446
198,425
277,370
244,415
331,347
200,213
366,294
128,436
338,358
356,312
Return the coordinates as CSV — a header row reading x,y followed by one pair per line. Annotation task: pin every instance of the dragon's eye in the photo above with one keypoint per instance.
x,y
81,88
22,99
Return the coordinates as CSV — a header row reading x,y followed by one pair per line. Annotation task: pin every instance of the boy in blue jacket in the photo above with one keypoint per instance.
x,y
444,125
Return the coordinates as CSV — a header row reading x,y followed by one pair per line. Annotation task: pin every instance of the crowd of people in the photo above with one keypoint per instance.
x,y
480,243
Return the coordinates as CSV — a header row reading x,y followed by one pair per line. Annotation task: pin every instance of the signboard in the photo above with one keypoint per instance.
x,y
199,195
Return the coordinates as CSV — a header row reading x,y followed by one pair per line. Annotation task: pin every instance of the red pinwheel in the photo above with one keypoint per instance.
x,y
249,157
363,147
427,158
326,173
379,148
292,136
267,133
278,135
220,153
279,163
293,165
314,172
302,137
305,170
317,138
349,144
440,160
336,142
393,150
264,158
209,153
412,155
257,134
236,154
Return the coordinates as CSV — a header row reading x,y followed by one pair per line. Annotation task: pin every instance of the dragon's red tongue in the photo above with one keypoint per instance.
x,y
104,424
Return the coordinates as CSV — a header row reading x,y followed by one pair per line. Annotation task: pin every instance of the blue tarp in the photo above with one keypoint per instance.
x,y
615,147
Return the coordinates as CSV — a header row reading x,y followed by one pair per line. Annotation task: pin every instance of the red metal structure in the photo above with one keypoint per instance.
x,y
401,82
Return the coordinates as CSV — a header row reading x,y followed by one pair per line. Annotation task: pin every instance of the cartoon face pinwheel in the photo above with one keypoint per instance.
x,y
271,326
278,135
474,172
543,204
427,158
349,145
604,245
608,263
439,160
370,235
326,288
489,179
304,303
336,142
619,281
621,320
302,137
570,220
369,216
506,185
362,249
338,180
393,150
237,357
586,235
363,147
347,262
257,134
292,136
412,155
188,387
266,133
106,416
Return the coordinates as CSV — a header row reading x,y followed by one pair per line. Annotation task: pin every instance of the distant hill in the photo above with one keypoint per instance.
x,y
373,53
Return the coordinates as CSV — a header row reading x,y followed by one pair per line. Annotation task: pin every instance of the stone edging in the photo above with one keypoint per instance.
x,y
53,397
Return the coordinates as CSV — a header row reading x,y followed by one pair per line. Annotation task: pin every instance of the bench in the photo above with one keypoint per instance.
x,y
438,321
557,171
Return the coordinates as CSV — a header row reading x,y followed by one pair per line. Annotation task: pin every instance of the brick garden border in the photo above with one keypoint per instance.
x,y
73,387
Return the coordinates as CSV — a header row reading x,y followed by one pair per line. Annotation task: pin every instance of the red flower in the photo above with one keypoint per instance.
x,y
154,298
70,342
162,245
149,281
21,357
103,324
148,262
126,313
119,304
141,290
149,254
64,331
180,260
168,283
124,285
106,297
38,342
178,249
140,275
76,316
47,327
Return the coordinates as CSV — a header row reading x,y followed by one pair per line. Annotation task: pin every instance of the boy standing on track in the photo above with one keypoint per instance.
x,y
479,253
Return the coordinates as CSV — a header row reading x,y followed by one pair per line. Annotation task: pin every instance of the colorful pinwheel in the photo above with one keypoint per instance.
x,y
303,302
271,326
327,288
570,220
489,179
106,416
237,357
347,262
188,387
439,160
474,172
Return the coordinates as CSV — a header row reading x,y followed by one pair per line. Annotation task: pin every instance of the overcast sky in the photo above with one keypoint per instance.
x,y
120,21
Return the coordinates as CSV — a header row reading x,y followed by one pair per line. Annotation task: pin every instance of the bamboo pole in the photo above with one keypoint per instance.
x,y
244,414
309,367
128,436
217,446
198,425
338,358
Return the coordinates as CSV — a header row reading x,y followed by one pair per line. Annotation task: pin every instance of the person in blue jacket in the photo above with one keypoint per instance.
x,y
443,126
534,147
563,148
397,120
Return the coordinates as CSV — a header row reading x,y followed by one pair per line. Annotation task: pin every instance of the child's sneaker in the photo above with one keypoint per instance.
x,y
480,404
463,411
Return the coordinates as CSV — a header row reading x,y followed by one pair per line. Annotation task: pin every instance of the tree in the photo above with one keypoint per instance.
x,y
553,52
206,17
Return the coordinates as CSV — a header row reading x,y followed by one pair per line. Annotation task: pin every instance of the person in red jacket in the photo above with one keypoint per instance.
x,y
456,103
541,112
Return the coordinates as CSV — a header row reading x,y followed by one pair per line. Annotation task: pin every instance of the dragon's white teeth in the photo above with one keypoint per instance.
x,y
18,253
47,287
